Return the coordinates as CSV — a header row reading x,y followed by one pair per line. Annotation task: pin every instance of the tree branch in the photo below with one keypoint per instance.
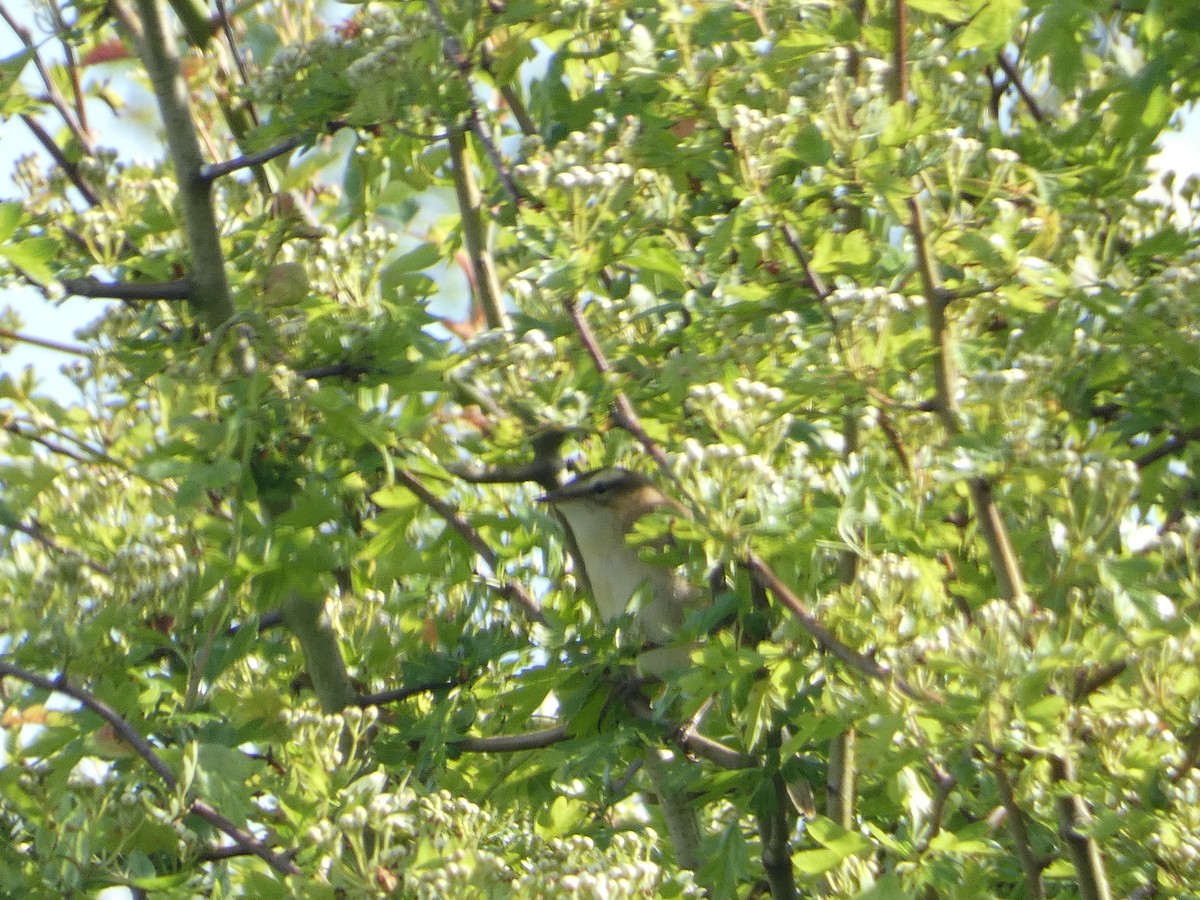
x,y
156,44
475,541
1010,581
900,52
824,638
53,94
216,170
1014,78
774,830
72,171
470,210
35,532
1173,444
687,739
508,743
305,618
455,55
395,695
74,349
624,415
1073,822
179,289
127,733
1019,832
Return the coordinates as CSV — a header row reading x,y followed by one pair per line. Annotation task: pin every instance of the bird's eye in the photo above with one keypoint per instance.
x,y
600,489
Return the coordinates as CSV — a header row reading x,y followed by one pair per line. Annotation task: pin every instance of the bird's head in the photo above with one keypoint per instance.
x,y
625,495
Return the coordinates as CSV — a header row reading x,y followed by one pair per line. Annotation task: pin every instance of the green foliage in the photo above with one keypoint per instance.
x,y
926,354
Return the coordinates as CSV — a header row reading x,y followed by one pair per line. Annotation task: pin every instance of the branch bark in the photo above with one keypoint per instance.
x,y
1009,578
180,289
470,209
1073,822
525,601
126,732
209,295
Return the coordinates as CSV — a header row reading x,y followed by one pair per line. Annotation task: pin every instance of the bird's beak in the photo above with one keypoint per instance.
x,y
557,495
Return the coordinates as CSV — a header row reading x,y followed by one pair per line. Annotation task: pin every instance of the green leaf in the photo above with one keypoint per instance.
x,y
33,256
991,26
10,217
11,68
834,837
816,862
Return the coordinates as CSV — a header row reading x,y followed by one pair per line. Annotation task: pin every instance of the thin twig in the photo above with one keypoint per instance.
x,y
1014,78
690,741
395,695
15,428
825,639
53,94
216,170
227,30
1173,444
475,541
72,66
507,743
127,733
455,55
350,370
1009,579
1019,832
74,349
1074,826
624,415
35,532
71,170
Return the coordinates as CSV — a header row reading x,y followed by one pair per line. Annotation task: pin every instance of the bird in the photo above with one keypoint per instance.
x,y
598,510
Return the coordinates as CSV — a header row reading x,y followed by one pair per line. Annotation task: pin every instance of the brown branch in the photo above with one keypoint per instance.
x,y
179,289
689,740
475,541
1087,682
507,743
458,58
15,429
484,282
1173,444
225,22
216,170
72,171
545,468
397,694
53,94
1009,579
1074,821
350,370
1031,864
72,66
34,532
900,52
1014,78
824,638
127,733
624,415
9,335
